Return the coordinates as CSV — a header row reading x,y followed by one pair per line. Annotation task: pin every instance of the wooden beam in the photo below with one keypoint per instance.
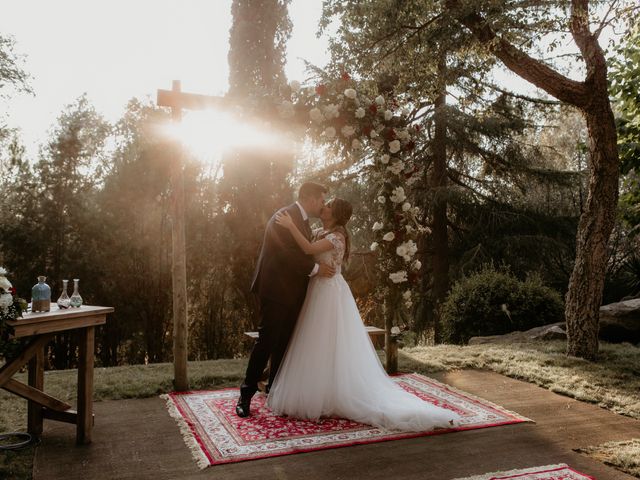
x,y
36,380
85,385
179,262
30,393
192,101
8,369
38,328
68,416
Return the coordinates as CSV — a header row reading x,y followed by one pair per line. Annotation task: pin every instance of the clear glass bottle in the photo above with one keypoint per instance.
x,y
41,296
64,301
76,299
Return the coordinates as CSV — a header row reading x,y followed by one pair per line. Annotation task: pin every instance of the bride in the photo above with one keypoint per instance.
x,y
331,367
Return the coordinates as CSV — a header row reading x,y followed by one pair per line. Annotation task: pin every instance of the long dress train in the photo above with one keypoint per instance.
x,y
331,367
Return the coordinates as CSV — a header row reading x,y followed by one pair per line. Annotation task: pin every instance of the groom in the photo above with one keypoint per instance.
x,y
280,281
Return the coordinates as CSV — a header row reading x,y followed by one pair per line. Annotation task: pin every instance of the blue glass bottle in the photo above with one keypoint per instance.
x,y
41,296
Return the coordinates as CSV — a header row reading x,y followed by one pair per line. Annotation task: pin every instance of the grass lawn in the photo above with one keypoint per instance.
x,y
624,456
613,383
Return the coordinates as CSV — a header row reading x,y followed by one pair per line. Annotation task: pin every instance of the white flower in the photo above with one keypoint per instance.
x,y
406,295
406,206
6,300
403,135
398,195
389,236
348,130
388,115
396,167
412,179
416,210
422,229
409,229
407,250
330,132
3,272
374,134
350,93
295,85
377,143
355,144
394,146
377,226
408,303
385,158
395,330
286,109
416,265
398,277
381,199
316,115
360,113
332,111
374,246
380,100
4,283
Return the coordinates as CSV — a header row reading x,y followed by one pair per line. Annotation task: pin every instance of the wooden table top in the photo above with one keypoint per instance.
x,y
59,319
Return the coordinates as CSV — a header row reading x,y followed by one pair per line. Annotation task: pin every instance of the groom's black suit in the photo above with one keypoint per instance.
x,y
280,281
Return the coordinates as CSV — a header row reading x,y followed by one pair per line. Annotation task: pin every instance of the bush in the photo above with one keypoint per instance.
x,y
494,302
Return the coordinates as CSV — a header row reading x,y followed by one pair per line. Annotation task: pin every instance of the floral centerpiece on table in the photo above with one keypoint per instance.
x,y
11,307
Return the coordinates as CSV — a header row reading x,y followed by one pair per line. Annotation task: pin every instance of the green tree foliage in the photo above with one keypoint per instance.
x,y
134,247
477,149
624,69
254,180
48,225
495,302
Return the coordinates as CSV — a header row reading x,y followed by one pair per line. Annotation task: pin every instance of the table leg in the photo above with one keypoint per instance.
x,y
36,380
85,385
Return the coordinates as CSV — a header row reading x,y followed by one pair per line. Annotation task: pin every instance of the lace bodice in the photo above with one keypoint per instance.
x,y
334,256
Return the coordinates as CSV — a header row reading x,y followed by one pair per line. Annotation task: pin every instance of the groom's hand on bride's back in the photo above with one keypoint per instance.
x,y
325,270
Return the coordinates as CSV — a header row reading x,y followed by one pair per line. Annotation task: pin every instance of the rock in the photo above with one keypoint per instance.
x,y
551,333
620,321
546,332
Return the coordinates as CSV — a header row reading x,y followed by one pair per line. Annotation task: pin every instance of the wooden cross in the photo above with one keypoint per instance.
x,y
178,100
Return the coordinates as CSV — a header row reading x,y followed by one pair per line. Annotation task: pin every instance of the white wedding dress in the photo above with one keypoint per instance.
x,y
331,368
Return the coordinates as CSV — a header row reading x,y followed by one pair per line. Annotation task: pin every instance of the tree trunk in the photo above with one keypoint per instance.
x,y
439,237
596,223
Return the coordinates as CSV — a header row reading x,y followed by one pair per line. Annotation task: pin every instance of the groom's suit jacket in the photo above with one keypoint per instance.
x,y
282,271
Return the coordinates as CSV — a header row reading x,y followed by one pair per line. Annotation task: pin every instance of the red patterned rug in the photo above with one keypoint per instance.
x,y
215,435
546,472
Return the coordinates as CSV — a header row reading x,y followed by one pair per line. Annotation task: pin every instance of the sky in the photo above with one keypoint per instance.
x,y
121,49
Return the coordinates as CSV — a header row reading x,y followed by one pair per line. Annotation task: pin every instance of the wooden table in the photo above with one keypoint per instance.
x,y
41,327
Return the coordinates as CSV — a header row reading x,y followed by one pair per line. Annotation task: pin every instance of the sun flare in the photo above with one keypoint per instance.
x,y
208,134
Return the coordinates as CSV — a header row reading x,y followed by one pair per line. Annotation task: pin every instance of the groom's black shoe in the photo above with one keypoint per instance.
x,y
243,408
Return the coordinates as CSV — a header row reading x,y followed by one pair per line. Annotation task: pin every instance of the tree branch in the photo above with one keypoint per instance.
x,y
527,67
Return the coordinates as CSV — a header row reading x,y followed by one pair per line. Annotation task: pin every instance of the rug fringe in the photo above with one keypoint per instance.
x,y
519,471
187,434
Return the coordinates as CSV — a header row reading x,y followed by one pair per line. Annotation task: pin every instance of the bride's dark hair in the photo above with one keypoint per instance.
x,y
341,211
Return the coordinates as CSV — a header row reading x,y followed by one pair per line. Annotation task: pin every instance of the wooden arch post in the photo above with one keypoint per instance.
x,y
177,100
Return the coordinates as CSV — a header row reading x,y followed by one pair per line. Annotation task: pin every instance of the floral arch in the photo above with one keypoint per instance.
x,y
338,113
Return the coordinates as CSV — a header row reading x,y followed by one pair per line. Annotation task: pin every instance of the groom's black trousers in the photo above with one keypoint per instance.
x,y
277,322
